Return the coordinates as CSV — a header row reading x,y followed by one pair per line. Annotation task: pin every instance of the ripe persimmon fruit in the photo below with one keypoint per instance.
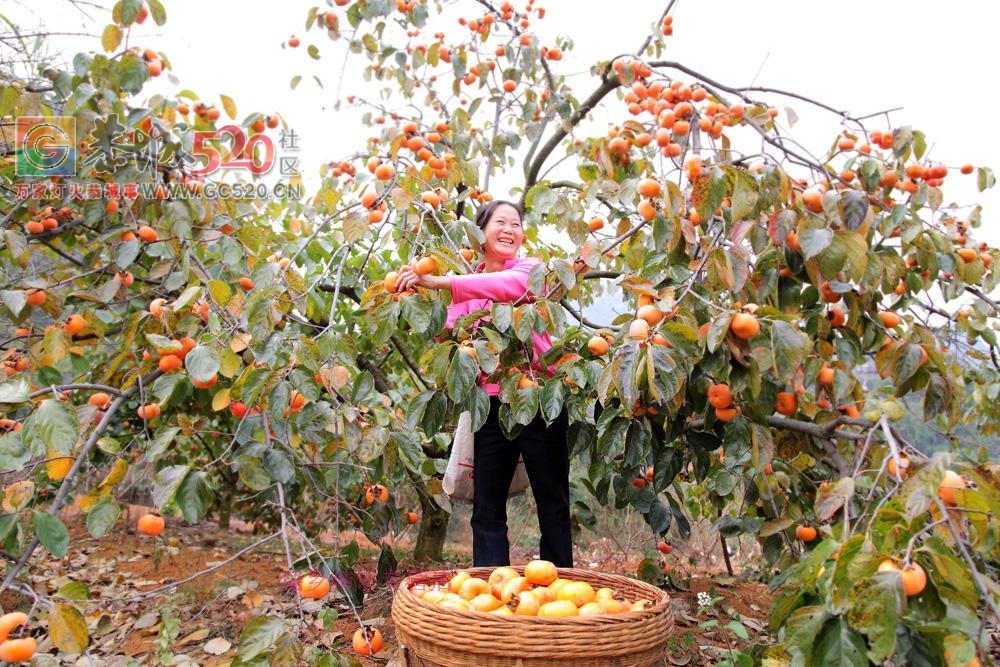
x,y
150,524
805,533
825,375
18,650
646,210
726,414
540,572
367,641
147,233
99,399
75,323
148,411
376,492
313,586
787,403
949,484
648,187
719,396
596,224
639,329
36,297
169,363
425,265
901,468
597,345
9,621
889,318
650,313
812,199
744,326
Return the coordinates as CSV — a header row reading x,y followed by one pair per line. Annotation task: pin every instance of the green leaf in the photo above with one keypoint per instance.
x,y
462,374
194,496
74,590
855,207
552,399
791,347
877,603
279,465
54,424
288,650
838,644
68,628
52,533
102,517
524,405
737,629
111,37
502,315
133,74
166,482
985,178
745,195
161,442
814,241
13,393
157,11
252,472
417,312
258,635
202,363
847,251
801,629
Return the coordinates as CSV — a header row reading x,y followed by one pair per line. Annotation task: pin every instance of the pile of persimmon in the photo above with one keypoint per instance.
x,y
540,592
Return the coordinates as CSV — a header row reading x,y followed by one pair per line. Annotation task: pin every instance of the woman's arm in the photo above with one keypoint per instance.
x,y
502,286
407,278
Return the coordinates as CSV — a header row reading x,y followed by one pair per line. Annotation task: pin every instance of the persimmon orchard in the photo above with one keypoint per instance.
x,y
790,308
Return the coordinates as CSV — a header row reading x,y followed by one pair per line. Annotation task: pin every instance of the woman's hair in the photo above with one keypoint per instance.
x,y
485,212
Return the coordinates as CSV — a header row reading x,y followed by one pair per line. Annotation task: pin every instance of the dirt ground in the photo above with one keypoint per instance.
x,y
147,608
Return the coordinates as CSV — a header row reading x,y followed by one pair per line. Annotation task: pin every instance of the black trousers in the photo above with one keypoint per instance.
x,y
546,460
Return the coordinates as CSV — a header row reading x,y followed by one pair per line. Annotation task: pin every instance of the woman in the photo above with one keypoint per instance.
x,y
503,277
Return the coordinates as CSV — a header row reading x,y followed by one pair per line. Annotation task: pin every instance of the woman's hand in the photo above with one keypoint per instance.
x,y
407,278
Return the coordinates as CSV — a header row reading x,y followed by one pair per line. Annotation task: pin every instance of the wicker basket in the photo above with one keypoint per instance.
x,y
434,636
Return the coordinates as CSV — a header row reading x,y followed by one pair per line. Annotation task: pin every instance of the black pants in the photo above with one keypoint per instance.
x,y
546,460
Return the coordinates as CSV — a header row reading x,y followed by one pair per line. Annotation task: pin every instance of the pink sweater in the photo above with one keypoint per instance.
x,y
478,291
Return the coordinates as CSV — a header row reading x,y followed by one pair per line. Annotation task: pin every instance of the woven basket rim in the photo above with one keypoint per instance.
x,y
660,602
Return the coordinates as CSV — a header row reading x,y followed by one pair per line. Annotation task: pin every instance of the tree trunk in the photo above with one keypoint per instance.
x,y
225,501
433,529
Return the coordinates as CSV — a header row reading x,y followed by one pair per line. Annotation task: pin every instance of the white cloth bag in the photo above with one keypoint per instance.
x,y
458,482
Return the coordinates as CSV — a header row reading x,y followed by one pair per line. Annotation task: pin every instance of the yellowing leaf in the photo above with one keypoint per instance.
x,y
111,37
229,105
221,399
241,341
18,495
116,474
68,629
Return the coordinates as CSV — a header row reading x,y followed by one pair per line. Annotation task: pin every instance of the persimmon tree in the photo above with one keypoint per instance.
x,y
260,347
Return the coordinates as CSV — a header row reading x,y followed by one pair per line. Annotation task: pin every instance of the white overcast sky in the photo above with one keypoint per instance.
x,y
932,61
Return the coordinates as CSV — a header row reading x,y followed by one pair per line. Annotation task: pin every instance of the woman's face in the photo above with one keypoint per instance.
x,y
503,232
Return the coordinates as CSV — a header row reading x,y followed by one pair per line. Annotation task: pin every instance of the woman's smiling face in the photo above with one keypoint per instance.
x,y
504,234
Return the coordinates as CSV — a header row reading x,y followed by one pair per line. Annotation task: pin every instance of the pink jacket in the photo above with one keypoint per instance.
x,y
478,291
